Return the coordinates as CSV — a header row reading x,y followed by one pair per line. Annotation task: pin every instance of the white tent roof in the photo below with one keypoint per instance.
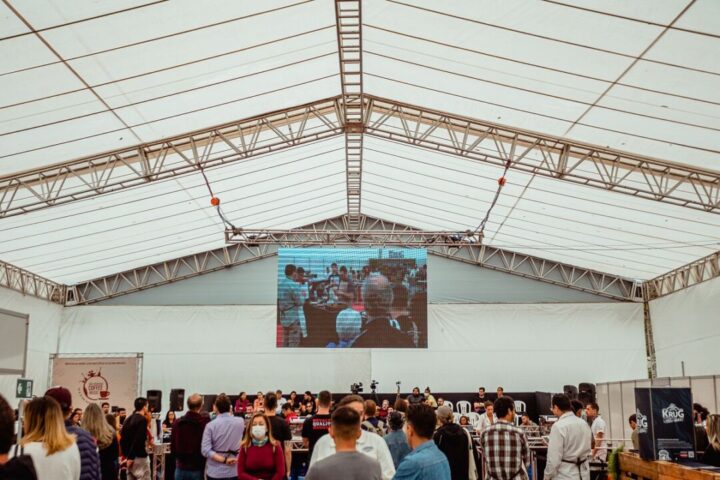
x,y
101,76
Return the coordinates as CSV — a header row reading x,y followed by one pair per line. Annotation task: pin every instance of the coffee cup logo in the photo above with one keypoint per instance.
x,y
94,386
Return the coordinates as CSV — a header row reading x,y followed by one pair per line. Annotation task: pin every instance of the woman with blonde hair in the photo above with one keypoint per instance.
x,y
94,422
712,452
54,452
261,456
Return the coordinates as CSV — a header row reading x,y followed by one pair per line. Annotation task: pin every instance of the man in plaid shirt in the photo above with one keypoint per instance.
x,y
505,448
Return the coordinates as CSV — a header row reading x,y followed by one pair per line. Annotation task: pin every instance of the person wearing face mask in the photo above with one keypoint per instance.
x,y
261,456
429,399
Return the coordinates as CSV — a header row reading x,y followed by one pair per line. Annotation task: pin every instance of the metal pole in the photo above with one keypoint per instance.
x,y
21,404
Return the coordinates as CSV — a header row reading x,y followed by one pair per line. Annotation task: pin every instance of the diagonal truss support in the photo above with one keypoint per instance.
x,y
461,246
125,168
28,283
162,273
535,153
681,278
348,19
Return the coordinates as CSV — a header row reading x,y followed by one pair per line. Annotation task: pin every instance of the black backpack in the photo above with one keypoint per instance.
x,y
20,467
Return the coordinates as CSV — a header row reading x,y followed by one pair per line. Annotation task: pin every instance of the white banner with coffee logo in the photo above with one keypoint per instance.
x,y
98,379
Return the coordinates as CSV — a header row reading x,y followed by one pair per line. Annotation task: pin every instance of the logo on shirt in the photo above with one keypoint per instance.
x,y
642,422
673,414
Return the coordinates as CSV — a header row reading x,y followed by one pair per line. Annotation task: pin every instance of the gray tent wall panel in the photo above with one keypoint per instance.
x,y
451,281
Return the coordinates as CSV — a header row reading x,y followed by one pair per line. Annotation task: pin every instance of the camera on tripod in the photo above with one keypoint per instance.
x,y
373,385
356,388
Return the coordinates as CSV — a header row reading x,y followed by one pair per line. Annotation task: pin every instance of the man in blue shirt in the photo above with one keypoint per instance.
x,y
426,461
221,441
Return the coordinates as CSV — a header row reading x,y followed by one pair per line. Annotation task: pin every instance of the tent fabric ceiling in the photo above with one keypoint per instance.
x,y
636,76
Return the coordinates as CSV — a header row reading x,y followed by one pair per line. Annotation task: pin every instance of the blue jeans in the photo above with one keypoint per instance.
x,y
181,474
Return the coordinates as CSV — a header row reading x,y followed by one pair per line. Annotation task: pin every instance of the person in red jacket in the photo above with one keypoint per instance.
x,y
261,456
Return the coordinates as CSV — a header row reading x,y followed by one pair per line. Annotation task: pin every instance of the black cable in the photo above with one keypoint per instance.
x,y
480,230
145,242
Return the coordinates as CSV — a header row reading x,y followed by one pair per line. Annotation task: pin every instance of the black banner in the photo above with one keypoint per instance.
x,y
665,423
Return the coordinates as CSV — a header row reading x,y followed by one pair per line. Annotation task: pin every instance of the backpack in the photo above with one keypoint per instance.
x,y
380,429
20,467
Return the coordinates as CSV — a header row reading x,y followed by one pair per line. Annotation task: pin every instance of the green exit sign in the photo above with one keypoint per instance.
x,y
24,388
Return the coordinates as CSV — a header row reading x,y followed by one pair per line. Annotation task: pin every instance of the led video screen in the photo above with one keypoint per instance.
x,y
352,298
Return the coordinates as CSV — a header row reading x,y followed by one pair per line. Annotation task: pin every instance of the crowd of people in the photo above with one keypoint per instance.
x,y
384,306
415,438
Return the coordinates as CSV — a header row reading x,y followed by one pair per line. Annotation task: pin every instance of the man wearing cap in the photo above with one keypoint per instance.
x,y
89,457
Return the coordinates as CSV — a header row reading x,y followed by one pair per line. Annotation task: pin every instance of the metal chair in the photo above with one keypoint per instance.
x,y
520,406
448,404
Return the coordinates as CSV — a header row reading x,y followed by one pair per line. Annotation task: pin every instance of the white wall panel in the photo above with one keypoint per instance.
x,y
703,390
229,348
686,329
42,340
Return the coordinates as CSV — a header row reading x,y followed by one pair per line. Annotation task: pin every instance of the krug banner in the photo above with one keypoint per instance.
x,y
98,379
665,423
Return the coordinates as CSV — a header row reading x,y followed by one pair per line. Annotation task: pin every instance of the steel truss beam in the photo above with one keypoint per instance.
x,y
461,246
124,168
348,19
554,157
162,273
686,276
27,283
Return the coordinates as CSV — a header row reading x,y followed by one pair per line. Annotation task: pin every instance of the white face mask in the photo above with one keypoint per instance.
x,y
258,432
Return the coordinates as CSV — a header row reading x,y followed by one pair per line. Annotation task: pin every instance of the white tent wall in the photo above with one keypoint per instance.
x,y
229,348
686,329
450,281
42,338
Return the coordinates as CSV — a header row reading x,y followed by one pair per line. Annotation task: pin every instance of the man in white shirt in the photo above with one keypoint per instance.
x,y
569,446
598,428
369,443
486,419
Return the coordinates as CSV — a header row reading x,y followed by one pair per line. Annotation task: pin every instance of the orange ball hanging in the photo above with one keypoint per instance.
x,y
502,181
214,201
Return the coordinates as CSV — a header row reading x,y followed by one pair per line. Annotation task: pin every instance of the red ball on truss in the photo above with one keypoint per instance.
x,y
502,181
214,201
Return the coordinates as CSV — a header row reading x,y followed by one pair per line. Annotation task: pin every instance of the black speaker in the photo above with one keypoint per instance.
x,y
177,399
586,393
543,401
154,398
571,391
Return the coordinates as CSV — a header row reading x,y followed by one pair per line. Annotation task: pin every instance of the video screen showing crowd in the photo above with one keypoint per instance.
x,y
352,298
